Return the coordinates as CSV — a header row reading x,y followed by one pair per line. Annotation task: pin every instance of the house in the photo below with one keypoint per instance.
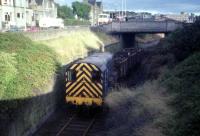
x,y
96,9
44,8
25,13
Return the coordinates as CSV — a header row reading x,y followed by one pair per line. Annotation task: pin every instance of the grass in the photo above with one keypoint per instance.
x,y
77,45
25,66
137,111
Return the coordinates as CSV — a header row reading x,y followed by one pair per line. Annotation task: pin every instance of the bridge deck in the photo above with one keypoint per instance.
x,y
141,27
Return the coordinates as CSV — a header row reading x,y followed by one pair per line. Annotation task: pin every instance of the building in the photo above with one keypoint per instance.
x,y
182,17
43,8
25,13
96,9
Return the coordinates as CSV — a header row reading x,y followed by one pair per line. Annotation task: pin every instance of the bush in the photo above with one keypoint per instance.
x,y
184,82
186,41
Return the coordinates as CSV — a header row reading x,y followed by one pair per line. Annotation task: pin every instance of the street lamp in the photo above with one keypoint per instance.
x,y
25,28
123,8
43,5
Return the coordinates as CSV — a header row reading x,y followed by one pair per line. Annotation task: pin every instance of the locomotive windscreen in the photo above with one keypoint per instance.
x,y
96,76
70,75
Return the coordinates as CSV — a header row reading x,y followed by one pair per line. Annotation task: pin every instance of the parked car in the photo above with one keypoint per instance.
x,y
15,29
32,29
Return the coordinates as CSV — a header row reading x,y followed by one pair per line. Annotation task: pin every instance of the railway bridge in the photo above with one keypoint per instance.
x,y
128,30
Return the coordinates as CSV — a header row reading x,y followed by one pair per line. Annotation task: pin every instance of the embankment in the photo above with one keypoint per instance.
x,y
32,76
167,102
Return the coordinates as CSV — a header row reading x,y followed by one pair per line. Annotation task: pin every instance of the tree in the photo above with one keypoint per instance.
x,y
65,12
82,10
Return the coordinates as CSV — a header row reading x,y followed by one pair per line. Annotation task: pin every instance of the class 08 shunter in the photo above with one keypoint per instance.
x,y
88,80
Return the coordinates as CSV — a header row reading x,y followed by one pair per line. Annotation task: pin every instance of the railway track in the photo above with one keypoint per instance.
x,y
73,124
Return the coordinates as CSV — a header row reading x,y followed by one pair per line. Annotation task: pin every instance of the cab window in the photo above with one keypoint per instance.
x,y
71,75
96,76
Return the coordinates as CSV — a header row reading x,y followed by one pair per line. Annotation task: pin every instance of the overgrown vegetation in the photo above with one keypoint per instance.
x,y
171,109
184,82
25,67
132,109
183,79
183,42
77,44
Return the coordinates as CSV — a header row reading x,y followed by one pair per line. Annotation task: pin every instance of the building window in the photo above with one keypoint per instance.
x,y
22,15
7,17
5,1
18,15
33,17
10,16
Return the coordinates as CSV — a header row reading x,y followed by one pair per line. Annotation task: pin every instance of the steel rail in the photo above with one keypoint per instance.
x,y
89,127
66,125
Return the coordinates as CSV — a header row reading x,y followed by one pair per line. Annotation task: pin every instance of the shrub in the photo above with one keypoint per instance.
x,y
186,41
184,82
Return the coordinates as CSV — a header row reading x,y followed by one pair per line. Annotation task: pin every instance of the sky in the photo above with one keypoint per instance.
x,y
153,6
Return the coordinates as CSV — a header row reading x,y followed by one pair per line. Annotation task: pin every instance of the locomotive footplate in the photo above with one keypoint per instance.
x,y
84,101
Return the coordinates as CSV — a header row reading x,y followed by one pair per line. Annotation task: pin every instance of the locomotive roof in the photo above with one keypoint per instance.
x,y
98,59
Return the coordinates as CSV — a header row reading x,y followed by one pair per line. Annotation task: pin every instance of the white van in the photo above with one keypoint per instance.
x,y
104,19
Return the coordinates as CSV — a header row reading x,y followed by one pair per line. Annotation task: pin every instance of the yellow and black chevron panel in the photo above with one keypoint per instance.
x,y
81,87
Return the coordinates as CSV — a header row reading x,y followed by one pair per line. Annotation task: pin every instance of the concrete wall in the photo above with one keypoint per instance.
x,y
52,34
33,111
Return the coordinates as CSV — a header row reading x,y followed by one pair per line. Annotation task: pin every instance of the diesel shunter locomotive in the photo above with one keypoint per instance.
x,y
88,80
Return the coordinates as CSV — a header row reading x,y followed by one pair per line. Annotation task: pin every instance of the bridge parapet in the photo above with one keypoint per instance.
x,y
141,27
